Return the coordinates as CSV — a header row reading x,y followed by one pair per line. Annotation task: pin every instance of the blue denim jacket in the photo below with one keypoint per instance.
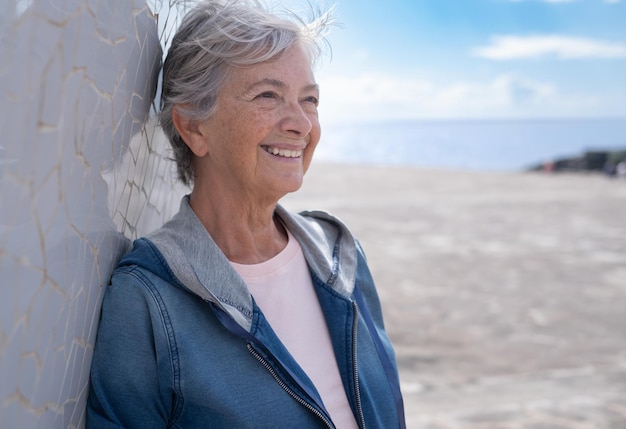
x,y
182,344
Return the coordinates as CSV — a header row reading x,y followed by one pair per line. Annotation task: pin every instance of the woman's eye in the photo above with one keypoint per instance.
x,y
267,94
312,99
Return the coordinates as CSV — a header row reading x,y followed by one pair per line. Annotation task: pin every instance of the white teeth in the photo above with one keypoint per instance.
x,y
285,153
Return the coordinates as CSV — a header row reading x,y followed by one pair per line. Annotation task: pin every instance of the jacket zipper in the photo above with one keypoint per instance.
x,y
287,389
357,390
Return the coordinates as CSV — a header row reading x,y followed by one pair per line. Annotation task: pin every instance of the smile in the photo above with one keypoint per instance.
x,y
285,153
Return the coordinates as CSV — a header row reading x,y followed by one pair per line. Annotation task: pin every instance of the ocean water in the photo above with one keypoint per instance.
x,y
474,145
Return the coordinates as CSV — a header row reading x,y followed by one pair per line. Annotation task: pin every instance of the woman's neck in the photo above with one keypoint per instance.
x,y
247,232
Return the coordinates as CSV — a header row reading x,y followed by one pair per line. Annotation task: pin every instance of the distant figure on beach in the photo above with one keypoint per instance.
x,y
237,313
620,170
610,168
548,167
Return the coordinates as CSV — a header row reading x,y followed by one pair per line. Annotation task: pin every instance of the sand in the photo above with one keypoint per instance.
x,y
504,293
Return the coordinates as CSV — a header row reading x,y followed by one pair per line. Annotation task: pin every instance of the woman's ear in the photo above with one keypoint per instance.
x,y
190,133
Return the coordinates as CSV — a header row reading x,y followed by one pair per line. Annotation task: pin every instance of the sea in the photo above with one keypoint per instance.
x,y
497,145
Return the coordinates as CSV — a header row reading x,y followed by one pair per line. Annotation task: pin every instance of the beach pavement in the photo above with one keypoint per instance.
x,y
504,293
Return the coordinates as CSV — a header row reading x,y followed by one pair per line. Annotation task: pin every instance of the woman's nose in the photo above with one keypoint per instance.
x,y
296,121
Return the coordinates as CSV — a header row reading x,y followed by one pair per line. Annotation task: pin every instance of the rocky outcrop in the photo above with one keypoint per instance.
x,y
601,161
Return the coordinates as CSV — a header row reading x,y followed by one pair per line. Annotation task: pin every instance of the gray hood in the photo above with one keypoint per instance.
x,y
197,262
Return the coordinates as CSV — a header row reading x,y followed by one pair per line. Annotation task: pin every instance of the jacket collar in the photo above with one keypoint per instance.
x,y
198,263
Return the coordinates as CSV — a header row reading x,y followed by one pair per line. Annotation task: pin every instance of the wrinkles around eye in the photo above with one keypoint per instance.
x,y
267,94
312,99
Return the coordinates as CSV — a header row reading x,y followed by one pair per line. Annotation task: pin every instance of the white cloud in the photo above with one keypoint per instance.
x,y
377,97
521,47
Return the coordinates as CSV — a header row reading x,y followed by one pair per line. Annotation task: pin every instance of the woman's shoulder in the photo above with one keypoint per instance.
x,y
142,269
142,255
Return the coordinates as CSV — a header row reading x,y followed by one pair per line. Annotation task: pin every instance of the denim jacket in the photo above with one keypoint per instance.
x,y
182,344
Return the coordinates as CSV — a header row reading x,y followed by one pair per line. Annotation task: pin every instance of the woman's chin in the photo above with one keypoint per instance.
x,y
287,186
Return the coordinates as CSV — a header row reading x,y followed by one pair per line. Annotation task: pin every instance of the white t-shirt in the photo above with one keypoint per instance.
x,y
283,289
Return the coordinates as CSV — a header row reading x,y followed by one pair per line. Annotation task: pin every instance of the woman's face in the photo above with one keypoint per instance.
x,y
263,132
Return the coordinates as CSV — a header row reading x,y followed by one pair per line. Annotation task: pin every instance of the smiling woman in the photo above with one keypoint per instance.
x,y
238,313
260,139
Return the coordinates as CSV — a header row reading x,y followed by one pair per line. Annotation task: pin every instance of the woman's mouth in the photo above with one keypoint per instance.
x,y
284,153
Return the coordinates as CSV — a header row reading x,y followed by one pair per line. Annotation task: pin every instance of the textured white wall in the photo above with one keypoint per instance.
x,y
80,173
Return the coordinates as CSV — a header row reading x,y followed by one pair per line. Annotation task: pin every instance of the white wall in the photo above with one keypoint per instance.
x,y
80,174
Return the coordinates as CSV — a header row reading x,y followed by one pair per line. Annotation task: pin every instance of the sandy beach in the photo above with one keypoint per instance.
x,y
504,293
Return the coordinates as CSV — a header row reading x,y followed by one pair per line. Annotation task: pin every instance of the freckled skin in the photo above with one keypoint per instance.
x,y
272,104
237,181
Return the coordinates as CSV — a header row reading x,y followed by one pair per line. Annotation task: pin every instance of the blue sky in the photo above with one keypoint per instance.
x,y
474,59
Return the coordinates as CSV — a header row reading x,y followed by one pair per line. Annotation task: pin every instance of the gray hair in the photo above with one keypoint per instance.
x,y
213,37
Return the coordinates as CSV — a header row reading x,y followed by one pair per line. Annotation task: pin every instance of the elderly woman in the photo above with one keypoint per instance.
x,y
237,313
